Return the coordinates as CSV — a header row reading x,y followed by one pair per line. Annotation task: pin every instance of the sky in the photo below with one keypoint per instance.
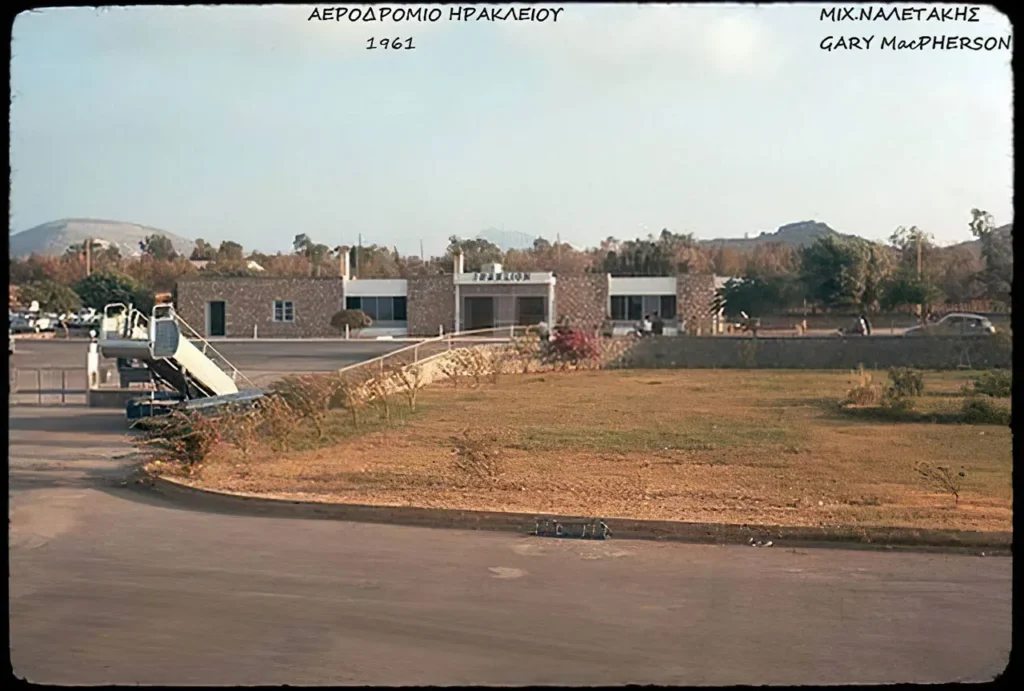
x,y
255,124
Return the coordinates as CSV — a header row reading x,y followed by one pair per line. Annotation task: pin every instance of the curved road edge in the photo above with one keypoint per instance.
x,y
904,539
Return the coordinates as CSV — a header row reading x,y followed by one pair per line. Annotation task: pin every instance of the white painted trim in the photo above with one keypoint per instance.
x,y
641,285
529,278
377,288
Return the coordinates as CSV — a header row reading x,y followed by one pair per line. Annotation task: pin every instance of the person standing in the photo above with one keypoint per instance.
x,y
658,325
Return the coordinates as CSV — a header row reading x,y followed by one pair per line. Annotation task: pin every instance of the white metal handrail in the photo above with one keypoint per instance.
x,y
445,339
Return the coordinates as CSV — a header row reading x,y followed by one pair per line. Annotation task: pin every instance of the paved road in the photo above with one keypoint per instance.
x,y
110,586
260,356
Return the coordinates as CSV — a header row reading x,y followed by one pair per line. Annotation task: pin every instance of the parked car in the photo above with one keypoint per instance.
x,y
955,324
29,323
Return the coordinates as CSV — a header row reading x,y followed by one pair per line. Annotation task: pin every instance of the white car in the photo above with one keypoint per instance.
x,y
955,324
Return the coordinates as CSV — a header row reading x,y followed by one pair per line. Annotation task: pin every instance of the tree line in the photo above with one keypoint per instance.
x,y
835,272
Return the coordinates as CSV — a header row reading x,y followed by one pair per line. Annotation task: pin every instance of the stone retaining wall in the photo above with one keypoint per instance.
x,y
881,352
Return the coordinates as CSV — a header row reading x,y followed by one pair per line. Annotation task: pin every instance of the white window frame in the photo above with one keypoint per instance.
x,y
286,306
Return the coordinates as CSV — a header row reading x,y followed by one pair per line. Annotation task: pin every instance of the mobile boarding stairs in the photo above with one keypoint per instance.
x,y
193,374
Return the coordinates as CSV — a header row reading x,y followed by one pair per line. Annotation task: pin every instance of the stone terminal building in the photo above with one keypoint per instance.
x,y
268,307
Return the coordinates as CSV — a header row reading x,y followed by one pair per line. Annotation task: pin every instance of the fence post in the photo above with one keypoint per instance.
x,y
382,365
63,387
39,386
416,353
346,332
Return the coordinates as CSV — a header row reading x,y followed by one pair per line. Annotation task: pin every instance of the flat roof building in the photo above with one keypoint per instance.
x,y
270,307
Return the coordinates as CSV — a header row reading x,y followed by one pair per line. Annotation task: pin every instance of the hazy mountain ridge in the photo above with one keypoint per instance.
x,y
798,234
54,238
974,246
507,239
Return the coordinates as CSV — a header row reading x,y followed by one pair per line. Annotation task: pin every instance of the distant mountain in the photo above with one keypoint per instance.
x,y
795,234
54,238
507,239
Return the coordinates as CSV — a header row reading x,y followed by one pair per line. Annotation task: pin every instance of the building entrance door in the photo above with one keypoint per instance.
x,y
529,311
216,319
479,314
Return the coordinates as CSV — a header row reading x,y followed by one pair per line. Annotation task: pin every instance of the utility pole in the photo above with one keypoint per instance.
x,y
919,255
359,250
422,257
88,256
920,307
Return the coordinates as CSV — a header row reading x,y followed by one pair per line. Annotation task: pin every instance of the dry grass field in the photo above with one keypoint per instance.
x,y
731,446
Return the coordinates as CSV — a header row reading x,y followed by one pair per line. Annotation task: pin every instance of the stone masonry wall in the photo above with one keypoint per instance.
x,y
250,302
583,298
695,294
874,352
430,303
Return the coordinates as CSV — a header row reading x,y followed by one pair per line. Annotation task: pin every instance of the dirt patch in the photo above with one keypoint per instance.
x,y
729,446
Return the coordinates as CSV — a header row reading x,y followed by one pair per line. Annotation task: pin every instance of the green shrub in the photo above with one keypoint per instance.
x,y
183,437
355,320
893,400
862,391
906,381
997,383
864,395
981,411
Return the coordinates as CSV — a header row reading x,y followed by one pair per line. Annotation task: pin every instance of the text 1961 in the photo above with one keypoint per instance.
x,y
392,43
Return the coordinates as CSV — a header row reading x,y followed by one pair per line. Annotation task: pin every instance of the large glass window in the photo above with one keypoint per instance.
x,y
619,308
636,307
668,307
379,309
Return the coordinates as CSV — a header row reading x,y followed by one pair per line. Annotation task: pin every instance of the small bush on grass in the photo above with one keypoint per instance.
x,y
278,423
997,383
478,365
242,432
183,438
380,397
943,478
981,411
353,393
310,397
411,379
477,454
906,381
863,391
895,403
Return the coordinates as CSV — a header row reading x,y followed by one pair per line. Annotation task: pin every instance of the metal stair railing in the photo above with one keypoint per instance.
x,y
207,348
